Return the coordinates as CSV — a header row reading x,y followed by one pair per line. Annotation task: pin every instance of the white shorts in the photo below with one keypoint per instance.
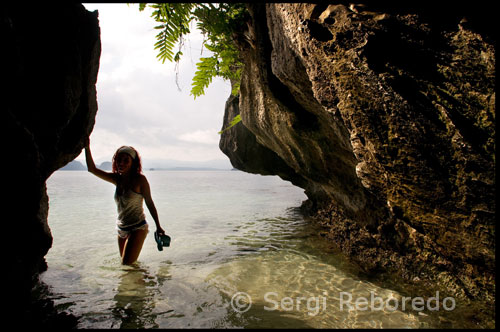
x,y
124,232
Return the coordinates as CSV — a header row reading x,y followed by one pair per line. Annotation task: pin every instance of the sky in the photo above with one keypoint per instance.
x,y
139,103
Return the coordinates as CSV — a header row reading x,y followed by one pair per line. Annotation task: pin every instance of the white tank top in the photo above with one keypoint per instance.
x,y
129,206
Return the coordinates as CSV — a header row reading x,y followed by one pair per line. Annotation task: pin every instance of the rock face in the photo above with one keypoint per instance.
x,y
386,117
49,59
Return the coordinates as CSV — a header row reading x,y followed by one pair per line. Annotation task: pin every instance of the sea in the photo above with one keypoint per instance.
x,y
242,256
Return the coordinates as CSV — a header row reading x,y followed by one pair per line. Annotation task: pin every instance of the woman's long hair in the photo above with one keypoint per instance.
x,y
136,168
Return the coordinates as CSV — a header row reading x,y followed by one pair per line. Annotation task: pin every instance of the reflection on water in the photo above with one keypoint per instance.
x,y
134,300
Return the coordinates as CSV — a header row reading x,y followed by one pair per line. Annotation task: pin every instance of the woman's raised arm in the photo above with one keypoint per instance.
x,y
110,177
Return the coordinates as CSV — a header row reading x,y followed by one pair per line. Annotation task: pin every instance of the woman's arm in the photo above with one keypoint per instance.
x,y
110,177
146,193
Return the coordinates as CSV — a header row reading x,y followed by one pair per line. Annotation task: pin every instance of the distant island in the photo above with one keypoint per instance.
x,y
75,165
106,166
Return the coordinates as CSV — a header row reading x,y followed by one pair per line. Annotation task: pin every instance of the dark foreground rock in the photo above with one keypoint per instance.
x,y
49,64
385,115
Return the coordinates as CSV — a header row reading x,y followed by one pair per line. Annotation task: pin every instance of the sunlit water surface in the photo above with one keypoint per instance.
x,y
241,256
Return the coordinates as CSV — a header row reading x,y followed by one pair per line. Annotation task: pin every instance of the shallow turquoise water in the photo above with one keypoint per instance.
x,y
241,256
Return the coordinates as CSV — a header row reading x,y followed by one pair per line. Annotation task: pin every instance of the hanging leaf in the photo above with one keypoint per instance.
x,y
207,69
233,122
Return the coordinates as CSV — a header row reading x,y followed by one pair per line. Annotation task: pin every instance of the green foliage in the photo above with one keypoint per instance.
x,y
174,21
206,70
233,122
218,22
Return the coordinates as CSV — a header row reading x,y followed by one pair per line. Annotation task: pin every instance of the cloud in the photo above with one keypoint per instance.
x,y
201,136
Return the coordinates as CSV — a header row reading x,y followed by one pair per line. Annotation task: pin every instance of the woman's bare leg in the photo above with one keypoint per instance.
x,y
133,246
121,245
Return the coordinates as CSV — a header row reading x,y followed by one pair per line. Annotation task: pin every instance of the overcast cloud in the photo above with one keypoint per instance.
x,y
138,99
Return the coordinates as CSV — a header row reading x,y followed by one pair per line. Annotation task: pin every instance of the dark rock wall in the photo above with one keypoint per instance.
x,y
49,64
386,117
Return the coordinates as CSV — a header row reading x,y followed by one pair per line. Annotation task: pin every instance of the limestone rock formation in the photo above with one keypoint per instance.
x,y
386,117
49,59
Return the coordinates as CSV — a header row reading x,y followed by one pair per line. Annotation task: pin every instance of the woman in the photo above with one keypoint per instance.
x,y
132,188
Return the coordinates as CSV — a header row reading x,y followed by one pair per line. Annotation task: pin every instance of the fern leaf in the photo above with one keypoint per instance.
x,y
207,69
175,18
